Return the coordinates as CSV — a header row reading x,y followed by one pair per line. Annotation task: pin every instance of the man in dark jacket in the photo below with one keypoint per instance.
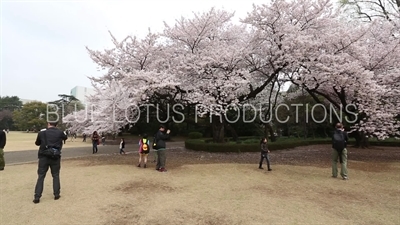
x,y
339,151
3,139
160,139
54,138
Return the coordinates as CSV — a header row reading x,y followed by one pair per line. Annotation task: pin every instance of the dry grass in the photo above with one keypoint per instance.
x,y
228,193
204,188
20,141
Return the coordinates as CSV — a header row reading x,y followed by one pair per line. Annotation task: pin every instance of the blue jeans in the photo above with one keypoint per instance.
x,y
94,147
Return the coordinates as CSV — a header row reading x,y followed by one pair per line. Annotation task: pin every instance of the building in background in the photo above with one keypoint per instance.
x,y
82,93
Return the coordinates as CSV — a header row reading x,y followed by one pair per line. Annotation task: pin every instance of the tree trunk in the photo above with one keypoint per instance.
x,y
361,140
269,130
326,134
218,130
232,131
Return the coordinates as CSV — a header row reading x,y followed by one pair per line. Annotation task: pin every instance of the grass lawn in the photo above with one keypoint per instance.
x,y
209,188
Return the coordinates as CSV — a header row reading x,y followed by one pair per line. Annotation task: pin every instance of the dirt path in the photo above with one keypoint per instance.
x,y
315,155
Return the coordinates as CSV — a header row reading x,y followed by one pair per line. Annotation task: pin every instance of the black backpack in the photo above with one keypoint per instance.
x,y
339,143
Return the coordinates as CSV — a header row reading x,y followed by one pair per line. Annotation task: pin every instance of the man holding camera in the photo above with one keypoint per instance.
x,y
160,139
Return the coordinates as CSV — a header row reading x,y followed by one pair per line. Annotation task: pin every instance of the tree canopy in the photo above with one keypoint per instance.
x,y
208,60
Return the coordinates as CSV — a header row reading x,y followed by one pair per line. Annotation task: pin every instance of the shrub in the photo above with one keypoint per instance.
x,y
195,135
251,145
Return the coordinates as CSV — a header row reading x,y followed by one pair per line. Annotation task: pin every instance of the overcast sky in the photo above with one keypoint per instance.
x,y
43,42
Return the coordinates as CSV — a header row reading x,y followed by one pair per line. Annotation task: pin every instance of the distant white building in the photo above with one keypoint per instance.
x,y
82,93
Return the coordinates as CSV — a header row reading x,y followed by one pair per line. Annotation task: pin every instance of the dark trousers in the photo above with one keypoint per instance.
x,y
266,157
44,164
161,158
94,146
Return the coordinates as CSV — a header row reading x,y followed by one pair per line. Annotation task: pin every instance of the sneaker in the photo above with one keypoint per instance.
x,y
260,168
144,166
1,169
345,178
138,165
36,201
57,197
334,176
269,169
162,170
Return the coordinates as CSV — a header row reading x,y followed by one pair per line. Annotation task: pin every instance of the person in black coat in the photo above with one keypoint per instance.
x,y
54,138
3,140
160,138
264,153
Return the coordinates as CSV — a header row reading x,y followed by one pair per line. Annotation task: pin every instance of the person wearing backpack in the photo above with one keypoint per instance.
x,y
339,153
144,150
160,145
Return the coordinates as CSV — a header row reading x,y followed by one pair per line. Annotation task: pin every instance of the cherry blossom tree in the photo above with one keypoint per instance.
x,y
134,70
209,60
369,10
345,62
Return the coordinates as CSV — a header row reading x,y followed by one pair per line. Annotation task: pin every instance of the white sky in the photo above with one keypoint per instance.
x,y
43,42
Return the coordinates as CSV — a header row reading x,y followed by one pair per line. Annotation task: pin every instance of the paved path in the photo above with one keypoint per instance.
x,y
20,157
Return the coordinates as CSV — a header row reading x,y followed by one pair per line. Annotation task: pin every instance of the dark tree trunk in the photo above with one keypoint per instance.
x,y
361,140
218,130
232,131
326,134
268,130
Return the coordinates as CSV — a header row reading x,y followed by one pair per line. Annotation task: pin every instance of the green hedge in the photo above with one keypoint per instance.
x,y
202,145
394,143
243,146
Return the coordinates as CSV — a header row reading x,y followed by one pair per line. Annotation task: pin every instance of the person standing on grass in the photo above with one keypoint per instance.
x,y
95,141
144,150
66,133
264,154
339,151
84,137
54,138
122,146
3,140
160,139
103,138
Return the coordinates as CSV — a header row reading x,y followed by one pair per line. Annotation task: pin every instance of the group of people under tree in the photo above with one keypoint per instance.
x,y
53,138
158,147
